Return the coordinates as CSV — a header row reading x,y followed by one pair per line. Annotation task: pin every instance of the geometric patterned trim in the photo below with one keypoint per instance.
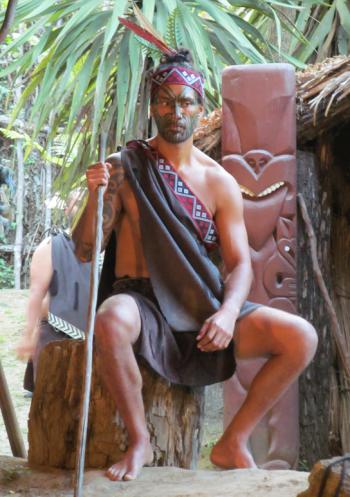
x,y
67,328
196,209
178,75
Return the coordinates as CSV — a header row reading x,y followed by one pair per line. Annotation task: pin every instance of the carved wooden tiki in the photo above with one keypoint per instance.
x,y
258,149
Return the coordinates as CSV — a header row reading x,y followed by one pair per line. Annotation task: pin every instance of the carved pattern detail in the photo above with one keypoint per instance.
x,y
259,148
259,151
270,220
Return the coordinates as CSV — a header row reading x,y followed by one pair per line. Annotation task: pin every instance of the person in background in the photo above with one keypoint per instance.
x,y
58,296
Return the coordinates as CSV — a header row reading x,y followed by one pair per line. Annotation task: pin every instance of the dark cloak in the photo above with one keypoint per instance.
x,y
187,284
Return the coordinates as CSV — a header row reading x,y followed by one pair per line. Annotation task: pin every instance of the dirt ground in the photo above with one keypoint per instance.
x,y
12,309
18,480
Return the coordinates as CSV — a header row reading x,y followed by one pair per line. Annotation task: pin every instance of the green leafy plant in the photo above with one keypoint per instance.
x,y
6,274
30,144
83,69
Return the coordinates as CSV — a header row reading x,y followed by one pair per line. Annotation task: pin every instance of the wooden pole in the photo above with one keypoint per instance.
x,y
88,353
8,413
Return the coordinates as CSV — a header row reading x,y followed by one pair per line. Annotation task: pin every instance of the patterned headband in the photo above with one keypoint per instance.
x,y
171,74
178,75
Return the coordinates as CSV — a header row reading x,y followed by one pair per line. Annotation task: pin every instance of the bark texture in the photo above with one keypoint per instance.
x,y
318,382
174,415
329,478
340,262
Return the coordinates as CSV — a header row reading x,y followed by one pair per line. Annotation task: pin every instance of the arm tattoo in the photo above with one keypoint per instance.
x,y
85,251
112,203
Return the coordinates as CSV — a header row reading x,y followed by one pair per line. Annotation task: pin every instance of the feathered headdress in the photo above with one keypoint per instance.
x,y
147,32
171,73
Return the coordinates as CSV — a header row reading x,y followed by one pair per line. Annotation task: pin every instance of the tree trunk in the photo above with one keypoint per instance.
x,y
174,415
8,20
48,179
340,263
318,383
19,216
48,183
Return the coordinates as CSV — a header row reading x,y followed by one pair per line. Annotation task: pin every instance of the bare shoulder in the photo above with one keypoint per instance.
x,y
222,183
115,159
116,162
40,266
117,173
44,247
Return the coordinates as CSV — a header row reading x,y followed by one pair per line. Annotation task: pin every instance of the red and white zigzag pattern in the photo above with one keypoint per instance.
x,y
191,203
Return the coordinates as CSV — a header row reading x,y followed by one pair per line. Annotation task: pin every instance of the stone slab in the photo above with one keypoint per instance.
x,y
18,480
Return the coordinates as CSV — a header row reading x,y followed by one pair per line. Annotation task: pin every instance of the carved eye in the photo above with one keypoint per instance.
x,y
252,163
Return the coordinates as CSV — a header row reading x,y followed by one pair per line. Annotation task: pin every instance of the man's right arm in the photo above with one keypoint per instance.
x,y
111,176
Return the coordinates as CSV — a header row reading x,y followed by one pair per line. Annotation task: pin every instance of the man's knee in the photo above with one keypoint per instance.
x,y
303,340
117,321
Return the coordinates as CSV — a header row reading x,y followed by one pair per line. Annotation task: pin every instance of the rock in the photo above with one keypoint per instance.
x,y
324,482
17,479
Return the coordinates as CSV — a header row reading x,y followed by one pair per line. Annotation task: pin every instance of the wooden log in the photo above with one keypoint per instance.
x,y
8,413
329,478
174,415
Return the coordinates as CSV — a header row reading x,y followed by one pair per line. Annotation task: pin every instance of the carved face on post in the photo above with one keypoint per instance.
x,y
259,151
176,110
259,147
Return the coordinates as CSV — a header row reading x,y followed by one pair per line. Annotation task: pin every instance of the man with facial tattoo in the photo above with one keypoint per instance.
x,y
167,206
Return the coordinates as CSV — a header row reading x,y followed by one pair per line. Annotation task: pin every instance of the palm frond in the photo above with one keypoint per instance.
x,y
83,68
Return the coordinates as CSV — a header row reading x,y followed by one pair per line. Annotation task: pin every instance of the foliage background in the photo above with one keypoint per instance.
x,y
72,78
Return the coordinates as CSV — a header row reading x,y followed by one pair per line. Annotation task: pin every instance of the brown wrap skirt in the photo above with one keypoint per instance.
x,y
174,355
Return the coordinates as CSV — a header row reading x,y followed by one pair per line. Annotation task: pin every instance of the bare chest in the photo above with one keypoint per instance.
x,y
197,182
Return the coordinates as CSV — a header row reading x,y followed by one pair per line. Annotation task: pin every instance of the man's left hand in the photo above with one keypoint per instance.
x,y
217,331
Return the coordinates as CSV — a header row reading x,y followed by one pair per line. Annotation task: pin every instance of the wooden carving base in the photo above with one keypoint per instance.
x,y
174,415
329,478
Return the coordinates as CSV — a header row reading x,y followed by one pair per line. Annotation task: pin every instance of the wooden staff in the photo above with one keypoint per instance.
x,y
10,420
88,353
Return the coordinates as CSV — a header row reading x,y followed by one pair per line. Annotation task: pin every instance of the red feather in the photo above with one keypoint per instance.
x,y
146,35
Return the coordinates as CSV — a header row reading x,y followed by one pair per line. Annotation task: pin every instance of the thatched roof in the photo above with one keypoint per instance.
x,y
323,101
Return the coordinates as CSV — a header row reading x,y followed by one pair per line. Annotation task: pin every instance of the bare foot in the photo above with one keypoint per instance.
x,y
128,468
276,464
231,455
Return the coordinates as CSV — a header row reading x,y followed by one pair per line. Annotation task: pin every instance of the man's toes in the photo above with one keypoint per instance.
x,y
114,474
111,474
129,476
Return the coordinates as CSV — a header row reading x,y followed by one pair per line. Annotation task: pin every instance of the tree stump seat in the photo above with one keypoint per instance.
x,y
174,415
